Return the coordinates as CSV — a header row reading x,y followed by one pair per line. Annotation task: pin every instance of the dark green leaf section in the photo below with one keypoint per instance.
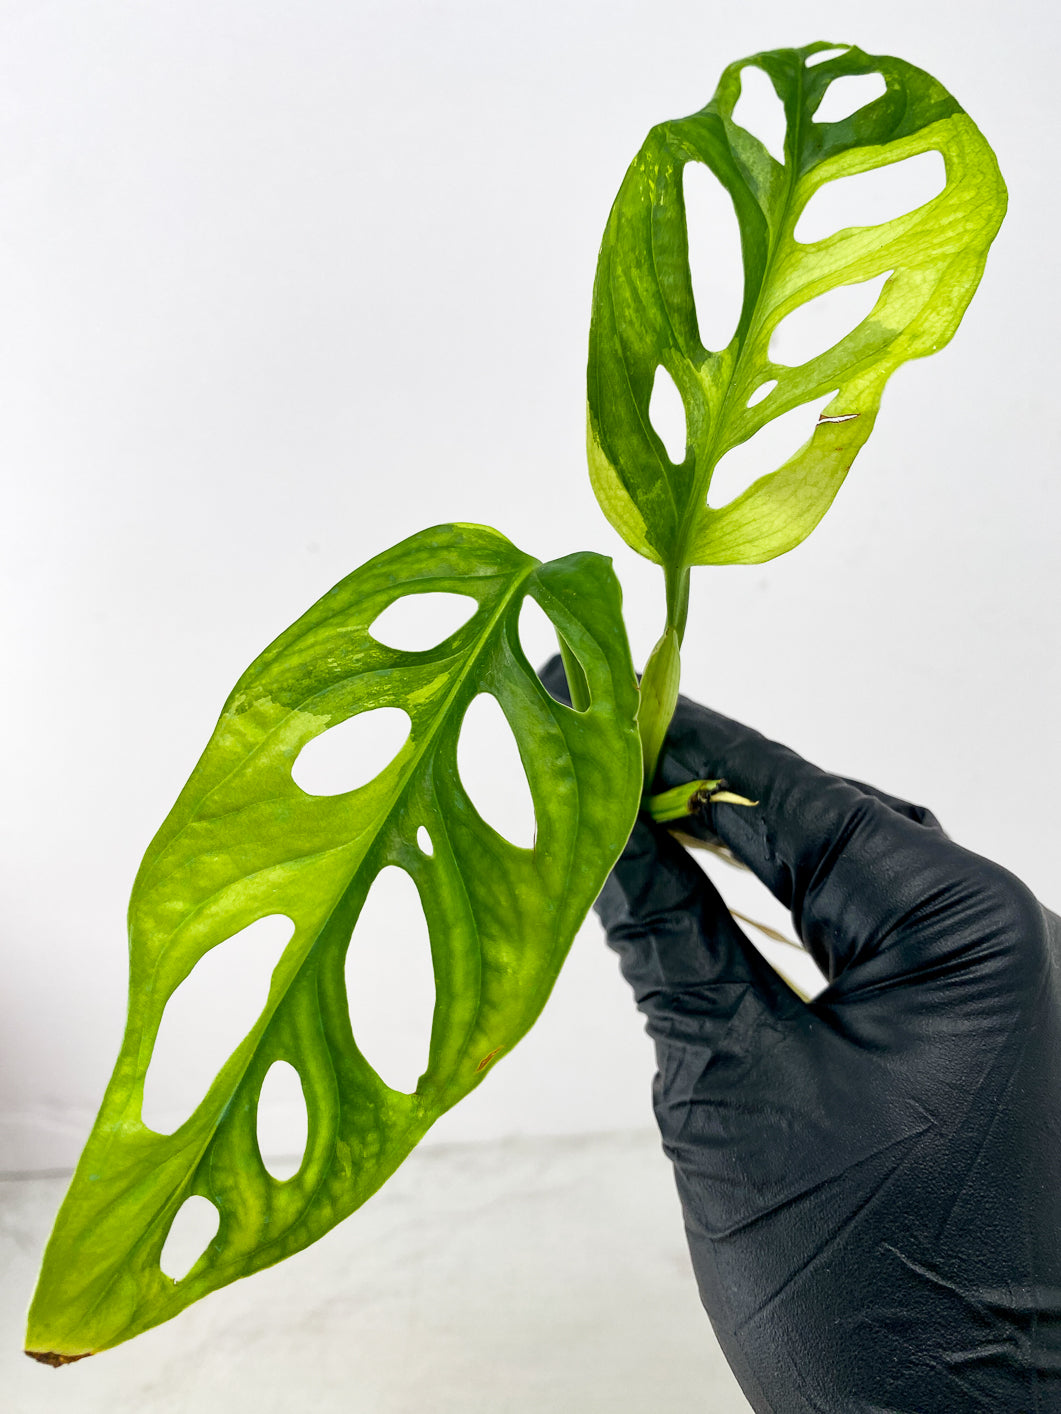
x,y
644,315
243,841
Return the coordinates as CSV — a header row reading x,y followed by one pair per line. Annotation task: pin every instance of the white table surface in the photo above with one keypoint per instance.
x,y
499,1278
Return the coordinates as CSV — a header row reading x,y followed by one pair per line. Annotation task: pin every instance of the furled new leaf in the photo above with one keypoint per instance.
x,y
244,841
644,316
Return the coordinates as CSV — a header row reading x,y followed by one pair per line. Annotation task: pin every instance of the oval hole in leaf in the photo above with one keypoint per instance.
x,y
666,412
871,198
715,266
764,451
847,94
206,1018
351,753
492,773
191,1232
824,55
822,322
760,112
423,839
390,982
283,1122
537,635
763,391
417,622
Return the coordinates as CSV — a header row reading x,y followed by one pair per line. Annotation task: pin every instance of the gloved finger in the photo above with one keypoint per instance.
x,y
920,814
752,1083
691,968
854,867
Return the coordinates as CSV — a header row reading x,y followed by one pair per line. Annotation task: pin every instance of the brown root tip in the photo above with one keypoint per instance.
x,y
55,1358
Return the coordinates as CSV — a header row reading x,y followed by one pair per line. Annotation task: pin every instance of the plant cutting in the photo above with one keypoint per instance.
x,y
244,841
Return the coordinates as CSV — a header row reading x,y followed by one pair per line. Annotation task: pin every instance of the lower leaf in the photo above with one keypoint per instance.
x,y
244,841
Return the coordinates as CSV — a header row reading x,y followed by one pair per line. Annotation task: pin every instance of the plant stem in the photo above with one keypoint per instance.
x,y
659,683
677,582
659,694
680,802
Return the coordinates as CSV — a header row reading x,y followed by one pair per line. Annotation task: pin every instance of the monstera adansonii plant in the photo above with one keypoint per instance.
x,y
244,841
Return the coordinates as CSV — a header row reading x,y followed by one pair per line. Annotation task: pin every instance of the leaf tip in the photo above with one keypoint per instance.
x,y
57,1358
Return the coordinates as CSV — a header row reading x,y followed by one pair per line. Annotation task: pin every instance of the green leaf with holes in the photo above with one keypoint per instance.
x,y
244,841
644,316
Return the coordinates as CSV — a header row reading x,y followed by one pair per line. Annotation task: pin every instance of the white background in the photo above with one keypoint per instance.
x,y
284,283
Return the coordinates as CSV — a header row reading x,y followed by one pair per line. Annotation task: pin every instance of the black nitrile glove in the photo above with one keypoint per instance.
x,y
871,1181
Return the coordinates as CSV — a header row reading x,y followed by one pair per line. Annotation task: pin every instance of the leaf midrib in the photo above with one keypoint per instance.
x,y
375,828
697,499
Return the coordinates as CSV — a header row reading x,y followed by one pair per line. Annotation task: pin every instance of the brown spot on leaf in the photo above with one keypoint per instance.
x,y
487,1059
55,1358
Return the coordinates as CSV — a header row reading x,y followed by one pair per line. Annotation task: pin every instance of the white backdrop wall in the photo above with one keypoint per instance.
x,y
283,283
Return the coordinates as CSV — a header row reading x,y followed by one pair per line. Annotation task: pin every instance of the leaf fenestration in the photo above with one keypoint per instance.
x,y
243,841
644,315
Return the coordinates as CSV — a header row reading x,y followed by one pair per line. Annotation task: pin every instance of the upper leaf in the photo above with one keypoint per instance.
x,y
244,841
644,315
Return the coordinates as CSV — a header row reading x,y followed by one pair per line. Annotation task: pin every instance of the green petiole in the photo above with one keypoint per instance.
x,y
680,802
659,697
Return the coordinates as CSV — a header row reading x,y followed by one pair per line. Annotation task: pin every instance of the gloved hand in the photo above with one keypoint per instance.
x,y
871,1181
